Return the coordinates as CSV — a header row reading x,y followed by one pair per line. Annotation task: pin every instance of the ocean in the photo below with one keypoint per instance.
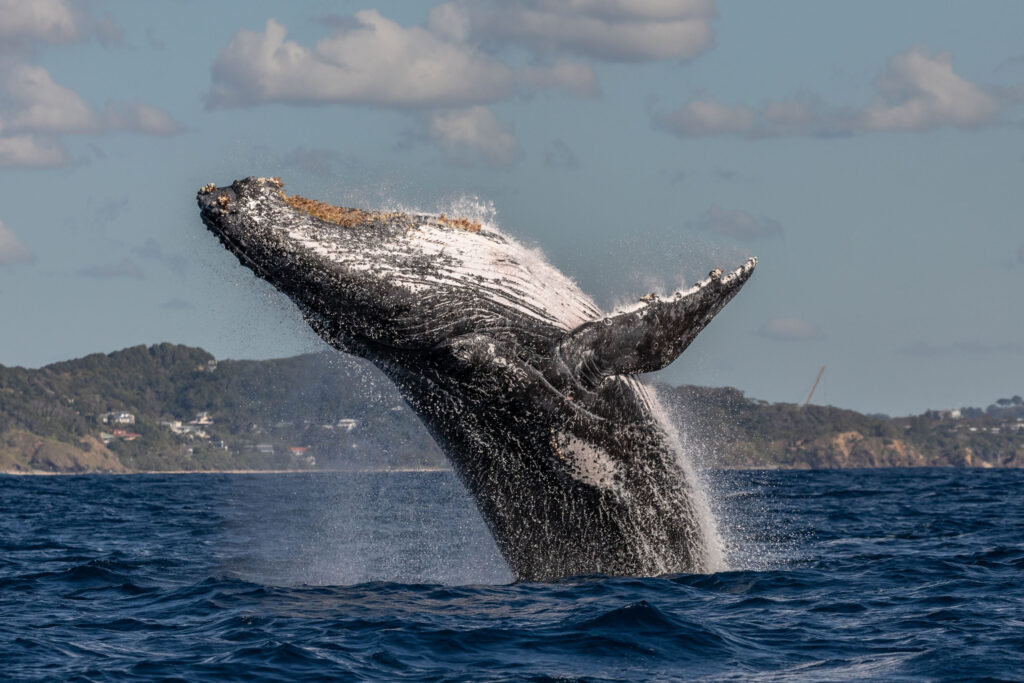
x,y
834,575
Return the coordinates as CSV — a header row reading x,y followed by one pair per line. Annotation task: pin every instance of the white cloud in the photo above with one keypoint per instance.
x,y
473,134
12,251
36,104
50,21
25,23
736,223
706,117
36,111
790,329
29,151
915,92
918,92
613,30
376,62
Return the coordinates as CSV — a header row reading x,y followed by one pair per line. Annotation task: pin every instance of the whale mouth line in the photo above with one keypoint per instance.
x,y
237,249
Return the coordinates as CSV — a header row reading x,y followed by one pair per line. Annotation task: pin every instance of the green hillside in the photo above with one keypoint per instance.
x,y
742,432
330,411
255,406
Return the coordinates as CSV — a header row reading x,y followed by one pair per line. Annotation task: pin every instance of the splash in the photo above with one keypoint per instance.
x,y
713,544
472,207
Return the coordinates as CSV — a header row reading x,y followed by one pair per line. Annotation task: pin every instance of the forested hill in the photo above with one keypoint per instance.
x,y
169,407
736,431
312,411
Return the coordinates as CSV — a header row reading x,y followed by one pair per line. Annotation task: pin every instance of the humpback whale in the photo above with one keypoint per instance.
x,y
528,387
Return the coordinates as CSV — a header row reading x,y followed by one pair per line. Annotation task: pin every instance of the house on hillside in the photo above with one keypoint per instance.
x,y
208,366
173,425
117,417
192,429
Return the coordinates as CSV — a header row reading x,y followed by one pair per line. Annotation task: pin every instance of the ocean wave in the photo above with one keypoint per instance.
x,y
892,583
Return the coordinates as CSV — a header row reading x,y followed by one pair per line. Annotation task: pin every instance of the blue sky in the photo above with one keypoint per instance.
x,y
870,154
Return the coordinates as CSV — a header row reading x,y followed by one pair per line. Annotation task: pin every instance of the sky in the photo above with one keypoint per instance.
x,y
870,154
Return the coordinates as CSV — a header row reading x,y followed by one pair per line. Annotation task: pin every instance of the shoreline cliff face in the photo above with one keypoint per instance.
x,y
22,452
746,433
167,408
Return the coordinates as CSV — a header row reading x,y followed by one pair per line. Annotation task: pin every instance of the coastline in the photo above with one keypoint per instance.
x,y
389,470
407,470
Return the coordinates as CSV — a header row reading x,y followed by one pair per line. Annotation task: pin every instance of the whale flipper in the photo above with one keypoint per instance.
x,y
650,335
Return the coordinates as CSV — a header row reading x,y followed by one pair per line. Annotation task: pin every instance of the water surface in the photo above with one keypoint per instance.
x,y
882,574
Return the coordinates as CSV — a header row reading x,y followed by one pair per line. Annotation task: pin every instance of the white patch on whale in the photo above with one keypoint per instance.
x,y
589,464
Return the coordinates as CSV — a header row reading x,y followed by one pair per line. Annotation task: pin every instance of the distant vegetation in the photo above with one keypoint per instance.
x,y
327,411
743,432
260,411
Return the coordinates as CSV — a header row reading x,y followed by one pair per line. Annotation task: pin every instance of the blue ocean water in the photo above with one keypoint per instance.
x,y
870,574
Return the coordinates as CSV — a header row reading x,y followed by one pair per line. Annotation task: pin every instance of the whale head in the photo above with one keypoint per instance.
x,y
373,271
392,280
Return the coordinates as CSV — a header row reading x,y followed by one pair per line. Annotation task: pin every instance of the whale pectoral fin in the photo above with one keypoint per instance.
x,y
653,334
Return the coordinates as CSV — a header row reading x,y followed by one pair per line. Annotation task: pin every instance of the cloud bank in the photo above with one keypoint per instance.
x,y
36,111
377,62
609,30
916,92
475,134
448,71
48,21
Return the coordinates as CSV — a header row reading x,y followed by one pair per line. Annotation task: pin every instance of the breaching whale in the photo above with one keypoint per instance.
x,y
529,389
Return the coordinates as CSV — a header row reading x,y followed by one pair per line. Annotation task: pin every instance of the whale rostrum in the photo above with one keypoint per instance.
x,y
528,387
